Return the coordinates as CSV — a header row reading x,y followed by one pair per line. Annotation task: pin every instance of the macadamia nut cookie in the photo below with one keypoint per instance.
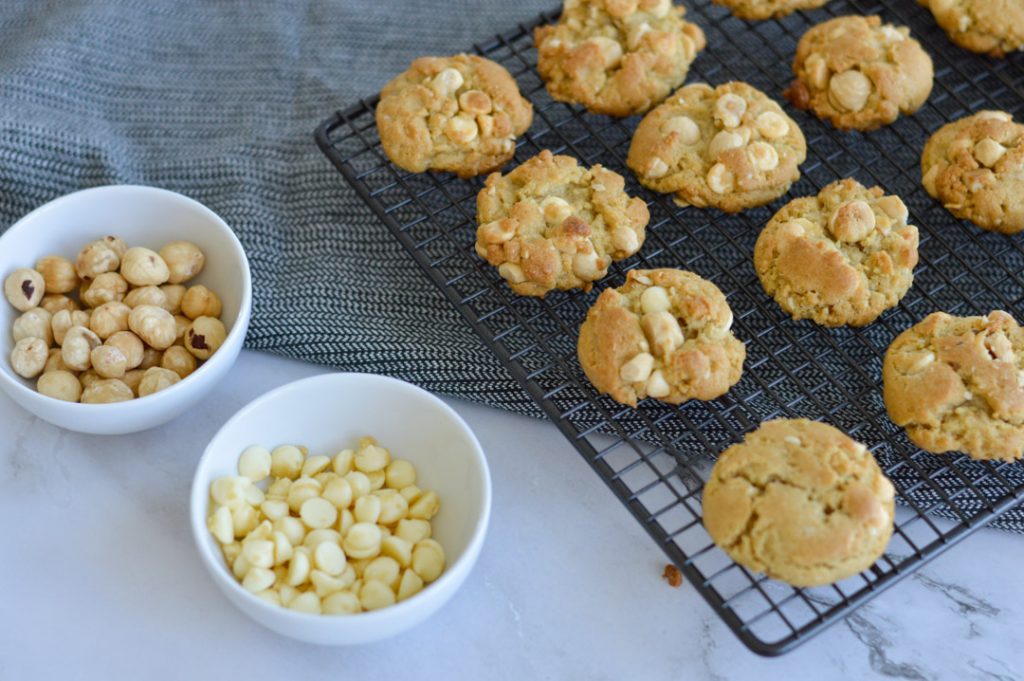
x,y
460,114
729,147
767,9
957,384
841,257
973,166
993,27
617,57
801,502
664,334
553,224
858,73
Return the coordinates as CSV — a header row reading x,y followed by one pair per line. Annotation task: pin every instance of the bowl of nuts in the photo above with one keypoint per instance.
x,y
125,305
341,509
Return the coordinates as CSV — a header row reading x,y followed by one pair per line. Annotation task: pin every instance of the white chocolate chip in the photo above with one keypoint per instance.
x,y
637,369
657,386
763,156
723,141
611,50
817,71
891,33
662,331
852,221
556,210
793,440
849,90
988,152
636,34
729,109
447,82
894,207
684,127
720,179
625,239
656,168
461,129
497,232
772,125
475,102
588,266
511,273
655,299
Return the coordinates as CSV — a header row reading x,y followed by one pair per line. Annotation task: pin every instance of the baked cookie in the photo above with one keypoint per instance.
x,y
858,73
766,9
993,27
616,57
664,334
841,257
729,147
957,384
553,224
801,502
973,166
461,114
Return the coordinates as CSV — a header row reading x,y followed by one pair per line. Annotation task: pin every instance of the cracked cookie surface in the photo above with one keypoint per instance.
x,y
459,114
974,167
730,147
664,334
554,224
858,73
616,57
800,501
841,257
993,27
767,9
957,384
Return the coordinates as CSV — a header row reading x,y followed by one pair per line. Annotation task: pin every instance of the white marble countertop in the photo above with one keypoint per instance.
x,y
101,579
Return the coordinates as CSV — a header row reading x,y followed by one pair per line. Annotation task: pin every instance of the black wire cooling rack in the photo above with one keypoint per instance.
x,y
655,458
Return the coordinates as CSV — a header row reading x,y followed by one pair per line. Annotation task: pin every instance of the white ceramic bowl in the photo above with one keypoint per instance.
x,y
329,413
142,216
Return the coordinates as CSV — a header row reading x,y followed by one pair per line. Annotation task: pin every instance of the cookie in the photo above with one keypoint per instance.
x,y
616,57
460,114
664,334
973,166
729,147
860,74
801,502
841,257
957,384
553,224
993,27
767,9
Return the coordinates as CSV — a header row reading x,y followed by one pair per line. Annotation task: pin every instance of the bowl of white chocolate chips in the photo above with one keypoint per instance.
x,y
341,509
124,305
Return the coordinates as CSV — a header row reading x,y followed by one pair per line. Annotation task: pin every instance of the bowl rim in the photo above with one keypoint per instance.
x,y
239,328
199,504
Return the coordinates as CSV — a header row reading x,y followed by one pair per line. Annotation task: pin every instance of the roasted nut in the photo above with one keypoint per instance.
x,y
147,295
181,324
36,323
729,109
150,358
720,179
763,156
184,260
28,358
58,273
179,360
475,102
852,221
132,379
662,331
96,258
64,320
108,361
684,127
24,288
144,267
205,336
60,385
723,141
447,82
610,50
156,379
88,377
105,391
154,325
173,293
54,362
109,318
200,301
116,244
772,125
511,273
107,287
849,90
55,302
77,348
130,346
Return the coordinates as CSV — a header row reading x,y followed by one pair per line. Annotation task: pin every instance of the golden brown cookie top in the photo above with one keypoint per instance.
x,y
993,27
841,257
957,384
859,73
766,9
730,147
460,114
973,166
800,501
617,57
554,224
665,334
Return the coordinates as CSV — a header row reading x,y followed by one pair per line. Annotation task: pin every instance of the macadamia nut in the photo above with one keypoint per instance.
x,y
200,301
204,337
24,289
144,267
184,260
155,326
58,274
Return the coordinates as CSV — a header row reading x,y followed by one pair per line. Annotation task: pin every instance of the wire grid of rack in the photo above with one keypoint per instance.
x,y
655,458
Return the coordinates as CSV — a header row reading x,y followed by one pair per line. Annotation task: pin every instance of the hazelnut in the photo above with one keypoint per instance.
x,y
610,50
662,331
105,391
205,336
24,288
173,293
849,90
116,244
58,273
475,102
723,141
77,348
684,127
720,179
179,360
60,385
461,129
729,109
143,267
638,369
108,361
36,323
150,358
55,302
447,82
184,260
772,125
54,362
132,379
200,301
28,358
555,210
107,287
852,221
95,258
130,346
147,295
154,325
156,379
109,318
181,324
88,377
64,320
763,156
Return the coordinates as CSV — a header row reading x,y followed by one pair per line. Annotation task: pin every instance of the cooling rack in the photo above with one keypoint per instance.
x,y
656,457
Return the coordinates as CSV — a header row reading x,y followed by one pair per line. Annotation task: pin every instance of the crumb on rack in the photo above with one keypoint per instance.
x,y
672,575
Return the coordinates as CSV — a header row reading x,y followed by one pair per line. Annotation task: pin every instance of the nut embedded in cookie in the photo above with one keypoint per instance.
x,y
992,27
664,334
767,9
957,384
460,114
841,257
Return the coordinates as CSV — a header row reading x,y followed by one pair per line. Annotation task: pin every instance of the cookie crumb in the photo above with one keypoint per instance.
x,y
673,576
